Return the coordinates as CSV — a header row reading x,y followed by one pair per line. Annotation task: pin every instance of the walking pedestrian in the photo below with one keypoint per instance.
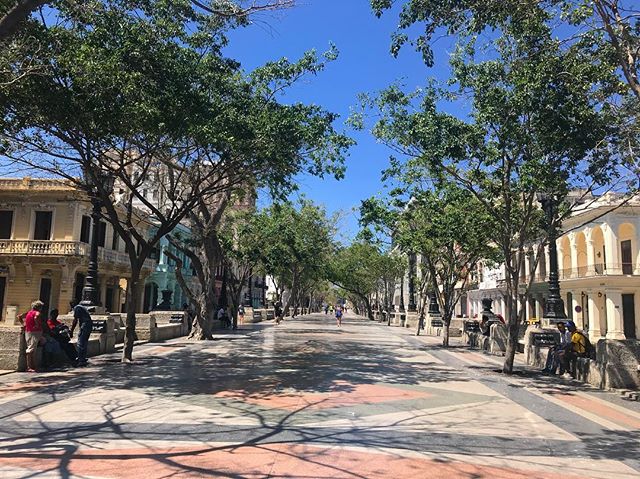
x,y
188,314
278,311
339,315
241,314
32,322
82,315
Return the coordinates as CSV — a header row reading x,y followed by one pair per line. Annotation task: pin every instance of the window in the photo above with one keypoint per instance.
x,y
45,294
85,229
627,257
115,242
42,227
3,286
102,233
6,223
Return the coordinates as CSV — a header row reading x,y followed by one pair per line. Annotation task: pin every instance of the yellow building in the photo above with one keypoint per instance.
x,y
45,234
599,270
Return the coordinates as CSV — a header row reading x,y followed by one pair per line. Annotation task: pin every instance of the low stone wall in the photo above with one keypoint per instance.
x,y
498,339
411,320
619,361
145,327
167,331
535,349
478,341
12,348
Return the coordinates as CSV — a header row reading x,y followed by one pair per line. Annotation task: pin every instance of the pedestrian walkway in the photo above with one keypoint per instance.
x,y
306,399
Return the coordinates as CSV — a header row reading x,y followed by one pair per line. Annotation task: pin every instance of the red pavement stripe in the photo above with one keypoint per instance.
x,y
273,460
600,409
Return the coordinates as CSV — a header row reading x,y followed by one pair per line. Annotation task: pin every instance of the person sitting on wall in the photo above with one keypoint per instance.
x,y
555,357
62,334
580,348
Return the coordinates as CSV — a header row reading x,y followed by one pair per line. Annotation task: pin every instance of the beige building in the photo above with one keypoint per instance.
x,y
45,235
599,269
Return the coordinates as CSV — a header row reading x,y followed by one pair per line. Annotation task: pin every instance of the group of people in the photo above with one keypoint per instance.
x,y
227,321
573,344
54,336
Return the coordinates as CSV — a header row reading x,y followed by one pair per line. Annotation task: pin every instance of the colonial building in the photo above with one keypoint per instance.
x,y
45,236
599,269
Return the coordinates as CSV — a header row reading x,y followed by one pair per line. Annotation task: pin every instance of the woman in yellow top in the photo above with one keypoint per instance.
x,y
578,347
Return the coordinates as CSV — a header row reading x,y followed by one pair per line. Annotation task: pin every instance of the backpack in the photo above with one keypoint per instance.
x,y
590,351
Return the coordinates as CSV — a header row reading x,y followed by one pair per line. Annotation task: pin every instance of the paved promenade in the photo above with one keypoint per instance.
x,y
308,400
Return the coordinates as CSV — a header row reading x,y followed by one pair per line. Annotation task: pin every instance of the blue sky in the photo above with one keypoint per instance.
x,y
364,65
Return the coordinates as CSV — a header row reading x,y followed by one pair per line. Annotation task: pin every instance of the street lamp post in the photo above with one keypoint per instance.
x,y
554,308
434,307
412,285
91,289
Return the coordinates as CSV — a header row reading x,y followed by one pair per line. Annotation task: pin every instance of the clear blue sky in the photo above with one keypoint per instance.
x,y
364,65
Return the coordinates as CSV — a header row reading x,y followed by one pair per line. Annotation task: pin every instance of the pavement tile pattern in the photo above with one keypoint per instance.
x,y
306,399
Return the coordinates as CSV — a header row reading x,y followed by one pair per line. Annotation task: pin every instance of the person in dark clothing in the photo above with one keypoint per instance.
x,y
81,315
278,311
62,334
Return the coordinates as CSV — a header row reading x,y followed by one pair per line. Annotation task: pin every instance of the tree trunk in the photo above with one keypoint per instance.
x,y
446,322
512,334
203,323
367,304
133,290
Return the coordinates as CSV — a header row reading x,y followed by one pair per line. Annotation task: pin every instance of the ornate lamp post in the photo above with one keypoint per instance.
x,y
412,285
434,307
91,290
554,308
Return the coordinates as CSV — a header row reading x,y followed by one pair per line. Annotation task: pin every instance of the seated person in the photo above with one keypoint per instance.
x,y
556,353
62,334
578,348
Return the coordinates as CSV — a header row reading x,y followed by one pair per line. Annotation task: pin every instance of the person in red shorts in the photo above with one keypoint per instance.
x,y
32,322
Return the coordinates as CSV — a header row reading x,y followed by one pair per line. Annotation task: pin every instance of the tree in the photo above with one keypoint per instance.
x,y
601,32
298,249
13,15
445,226
535,123
357,269
289,140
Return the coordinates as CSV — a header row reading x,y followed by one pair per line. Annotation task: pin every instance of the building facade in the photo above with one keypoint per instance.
x,y
45,237
599,270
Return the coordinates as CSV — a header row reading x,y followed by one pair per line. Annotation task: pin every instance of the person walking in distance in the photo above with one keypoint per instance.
x,y
32,322
278,311
81,315
339,315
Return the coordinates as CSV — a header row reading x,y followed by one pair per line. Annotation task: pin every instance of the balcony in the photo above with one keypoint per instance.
x,y
598,269
65,248
43,248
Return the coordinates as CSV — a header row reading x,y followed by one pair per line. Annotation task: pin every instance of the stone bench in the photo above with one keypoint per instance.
x,y
537,342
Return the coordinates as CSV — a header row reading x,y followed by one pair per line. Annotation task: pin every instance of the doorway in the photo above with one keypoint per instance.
x,y
45,295
3,288
626,256
629,315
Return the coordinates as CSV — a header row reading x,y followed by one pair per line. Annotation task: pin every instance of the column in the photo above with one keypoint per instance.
x,y
560,258
635,251
591,253
611,248
615,327
594,317
578,318
574,256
